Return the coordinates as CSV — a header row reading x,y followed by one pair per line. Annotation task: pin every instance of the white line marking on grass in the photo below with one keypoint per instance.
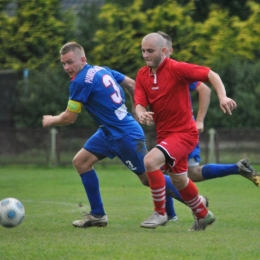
x,y
50,202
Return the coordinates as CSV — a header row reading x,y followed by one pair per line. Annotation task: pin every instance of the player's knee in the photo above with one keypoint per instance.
x,y
75,162
149,162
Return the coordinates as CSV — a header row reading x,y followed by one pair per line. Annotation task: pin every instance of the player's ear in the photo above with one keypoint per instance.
x,y
83,59
164,50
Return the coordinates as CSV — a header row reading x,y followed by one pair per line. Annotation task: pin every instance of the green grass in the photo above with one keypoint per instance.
x,y
51,198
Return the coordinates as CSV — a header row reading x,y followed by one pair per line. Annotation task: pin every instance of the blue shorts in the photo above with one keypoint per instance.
x,y
195,154
130,149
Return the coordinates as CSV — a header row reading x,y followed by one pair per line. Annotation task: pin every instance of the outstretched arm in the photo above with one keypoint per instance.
x,y
226,104
63,119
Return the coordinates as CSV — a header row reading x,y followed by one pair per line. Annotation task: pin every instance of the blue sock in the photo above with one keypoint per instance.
x,y
91,185
171,190
169,206
211,171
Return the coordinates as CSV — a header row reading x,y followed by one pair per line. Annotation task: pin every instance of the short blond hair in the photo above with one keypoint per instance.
x,y
72,46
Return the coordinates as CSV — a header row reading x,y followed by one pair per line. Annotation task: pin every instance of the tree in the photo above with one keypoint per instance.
x,y
87,25
44,94
31,39
226,43
118,39
237,8
40,95
220,42
240,77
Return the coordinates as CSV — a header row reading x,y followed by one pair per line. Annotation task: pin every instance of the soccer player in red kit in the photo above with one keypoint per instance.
x,y
162,86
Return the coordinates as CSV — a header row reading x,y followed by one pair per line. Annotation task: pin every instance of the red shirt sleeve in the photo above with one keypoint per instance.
x,y
190,73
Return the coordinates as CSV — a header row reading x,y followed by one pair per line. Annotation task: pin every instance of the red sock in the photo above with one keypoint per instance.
x,y
157,185
191,196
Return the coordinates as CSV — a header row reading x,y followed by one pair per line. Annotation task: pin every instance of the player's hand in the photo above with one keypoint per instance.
x,y
227,105
146,118
46,120
200,126
149,123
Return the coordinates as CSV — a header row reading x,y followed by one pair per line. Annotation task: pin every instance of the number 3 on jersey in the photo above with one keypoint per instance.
x,y
108,82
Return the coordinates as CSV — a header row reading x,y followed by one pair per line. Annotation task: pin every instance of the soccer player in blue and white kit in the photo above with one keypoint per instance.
x,y
98,90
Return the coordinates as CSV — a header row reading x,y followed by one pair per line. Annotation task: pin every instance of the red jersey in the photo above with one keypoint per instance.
x,y
167,94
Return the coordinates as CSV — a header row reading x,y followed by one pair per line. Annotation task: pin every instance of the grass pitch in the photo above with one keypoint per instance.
x,y
51,198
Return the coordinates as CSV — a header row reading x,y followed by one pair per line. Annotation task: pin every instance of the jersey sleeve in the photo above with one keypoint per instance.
x,y
78,92
119,77
190,73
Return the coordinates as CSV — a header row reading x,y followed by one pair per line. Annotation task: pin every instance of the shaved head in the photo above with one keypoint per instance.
x,y
153,49
155,38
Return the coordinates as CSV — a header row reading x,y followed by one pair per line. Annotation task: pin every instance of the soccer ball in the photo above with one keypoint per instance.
x,y
12,212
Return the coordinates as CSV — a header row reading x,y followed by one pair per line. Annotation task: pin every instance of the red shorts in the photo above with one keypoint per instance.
x,y
177,147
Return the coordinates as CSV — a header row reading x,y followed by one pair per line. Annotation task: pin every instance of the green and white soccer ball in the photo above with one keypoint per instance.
x,y
12,212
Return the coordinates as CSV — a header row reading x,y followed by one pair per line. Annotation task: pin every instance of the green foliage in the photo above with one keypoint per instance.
x,y
31,39
44,95
219,42
40,96
218,38
87,24
240,78
235,8
248,34
246,88
176,21
209,39
221,38
146,4
223,35
118,42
